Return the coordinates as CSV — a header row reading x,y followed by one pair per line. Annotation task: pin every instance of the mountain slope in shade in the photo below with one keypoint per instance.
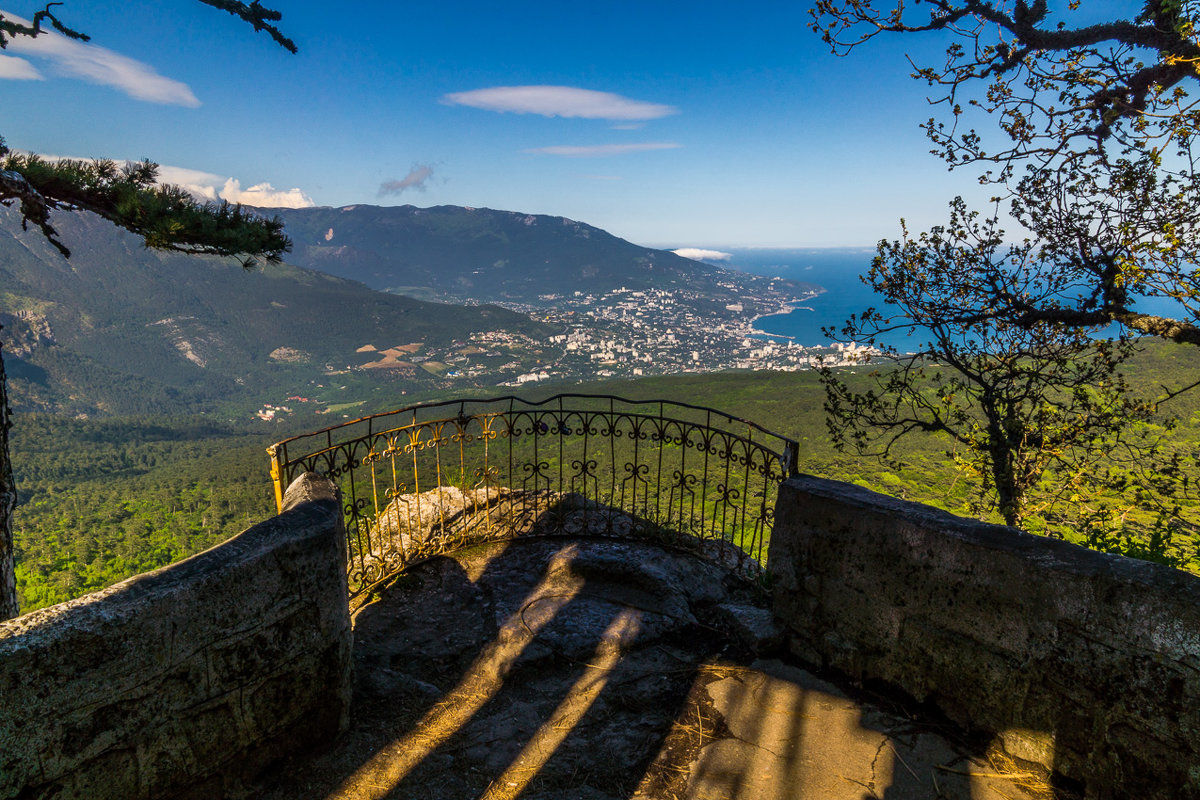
x,y
121,328
487,255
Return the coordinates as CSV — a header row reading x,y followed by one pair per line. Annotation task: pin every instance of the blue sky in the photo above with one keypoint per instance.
x,y
696,124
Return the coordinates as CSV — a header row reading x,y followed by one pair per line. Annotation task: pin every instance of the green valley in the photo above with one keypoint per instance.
x,y
104,499
147,385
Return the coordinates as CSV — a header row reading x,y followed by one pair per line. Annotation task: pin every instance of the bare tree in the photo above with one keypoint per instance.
x,y
1015,400
1085,130
1095,152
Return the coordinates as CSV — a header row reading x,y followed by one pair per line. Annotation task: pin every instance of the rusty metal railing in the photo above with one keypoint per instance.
x,y
432,478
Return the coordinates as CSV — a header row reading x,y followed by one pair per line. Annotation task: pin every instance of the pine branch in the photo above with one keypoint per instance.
x,y
10,30
167,217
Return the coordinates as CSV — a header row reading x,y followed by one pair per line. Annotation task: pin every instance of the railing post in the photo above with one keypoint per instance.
x,y
277,476
792,449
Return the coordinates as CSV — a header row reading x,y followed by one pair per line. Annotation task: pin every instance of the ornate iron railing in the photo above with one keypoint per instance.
x,y
431,478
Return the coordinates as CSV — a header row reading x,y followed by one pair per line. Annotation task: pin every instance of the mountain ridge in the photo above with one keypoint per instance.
x,y
120,328
484,254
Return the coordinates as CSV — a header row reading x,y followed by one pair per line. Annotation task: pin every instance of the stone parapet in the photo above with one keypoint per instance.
x,y
1084,662
185,681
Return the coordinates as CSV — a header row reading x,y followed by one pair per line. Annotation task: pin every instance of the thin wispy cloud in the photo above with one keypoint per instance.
x,y
18,69
74,59
415,179
700,254
209,186
599,150
559,101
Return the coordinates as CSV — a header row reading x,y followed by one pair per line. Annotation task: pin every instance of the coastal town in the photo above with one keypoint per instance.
x,y
660,331
621,333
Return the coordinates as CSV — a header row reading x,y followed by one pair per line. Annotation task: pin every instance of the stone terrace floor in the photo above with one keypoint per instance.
x,y
600,670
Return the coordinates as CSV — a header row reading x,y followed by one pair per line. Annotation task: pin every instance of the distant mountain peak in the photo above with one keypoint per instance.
x,y
479,254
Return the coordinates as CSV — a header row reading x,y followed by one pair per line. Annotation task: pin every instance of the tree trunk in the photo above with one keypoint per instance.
x,y
8,502
1010,495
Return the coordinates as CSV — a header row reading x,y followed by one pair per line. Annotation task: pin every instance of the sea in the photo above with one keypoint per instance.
x,y
836,270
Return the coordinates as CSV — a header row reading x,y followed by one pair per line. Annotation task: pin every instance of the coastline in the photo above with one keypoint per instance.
x,y
754,331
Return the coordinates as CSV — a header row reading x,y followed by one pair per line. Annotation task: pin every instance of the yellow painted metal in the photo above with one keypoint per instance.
x,y
432,478
277,476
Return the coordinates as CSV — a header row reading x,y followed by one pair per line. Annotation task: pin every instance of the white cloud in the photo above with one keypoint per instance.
x,y
700,254
201,184
265,195
592,151
89,62
559,101
18,69
204,185
415,179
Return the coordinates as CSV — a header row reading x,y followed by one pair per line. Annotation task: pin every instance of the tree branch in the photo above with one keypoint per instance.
x,y
258,16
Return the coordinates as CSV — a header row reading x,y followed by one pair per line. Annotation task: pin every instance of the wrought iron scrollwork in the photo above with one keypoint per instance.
x,y
429,478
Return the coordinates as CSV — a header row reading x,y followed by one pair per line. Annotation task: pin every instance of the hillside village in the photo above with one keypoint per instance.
x,y
627,332
621,333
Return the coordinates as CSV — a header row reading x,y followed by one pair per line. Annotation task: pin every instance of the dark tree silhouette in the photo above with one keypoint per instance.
x,y
1014,400
166,217
1088,138
1096,147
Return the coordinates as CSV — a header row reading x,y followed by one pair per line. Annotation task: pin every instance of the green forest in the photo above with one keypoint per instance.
x,y
104,499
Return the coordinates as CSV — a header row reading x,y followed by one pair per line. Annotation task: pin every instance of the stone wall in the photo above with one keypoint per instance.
x,y
1085,662
185,681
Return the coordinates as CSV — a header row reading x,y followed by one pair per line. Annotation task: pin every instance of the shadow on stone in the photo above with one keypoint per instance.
x,y
599,669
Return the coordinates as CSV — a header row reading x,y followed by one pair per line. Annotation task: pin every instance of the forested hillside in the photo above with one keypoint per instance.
x,y
103,500
106,499
118,328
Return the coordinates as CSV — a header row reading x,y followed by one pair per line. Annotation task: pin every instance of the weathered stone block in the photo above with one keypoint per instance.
x,y
112,773
244,656
188,677
1083,661
948,666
